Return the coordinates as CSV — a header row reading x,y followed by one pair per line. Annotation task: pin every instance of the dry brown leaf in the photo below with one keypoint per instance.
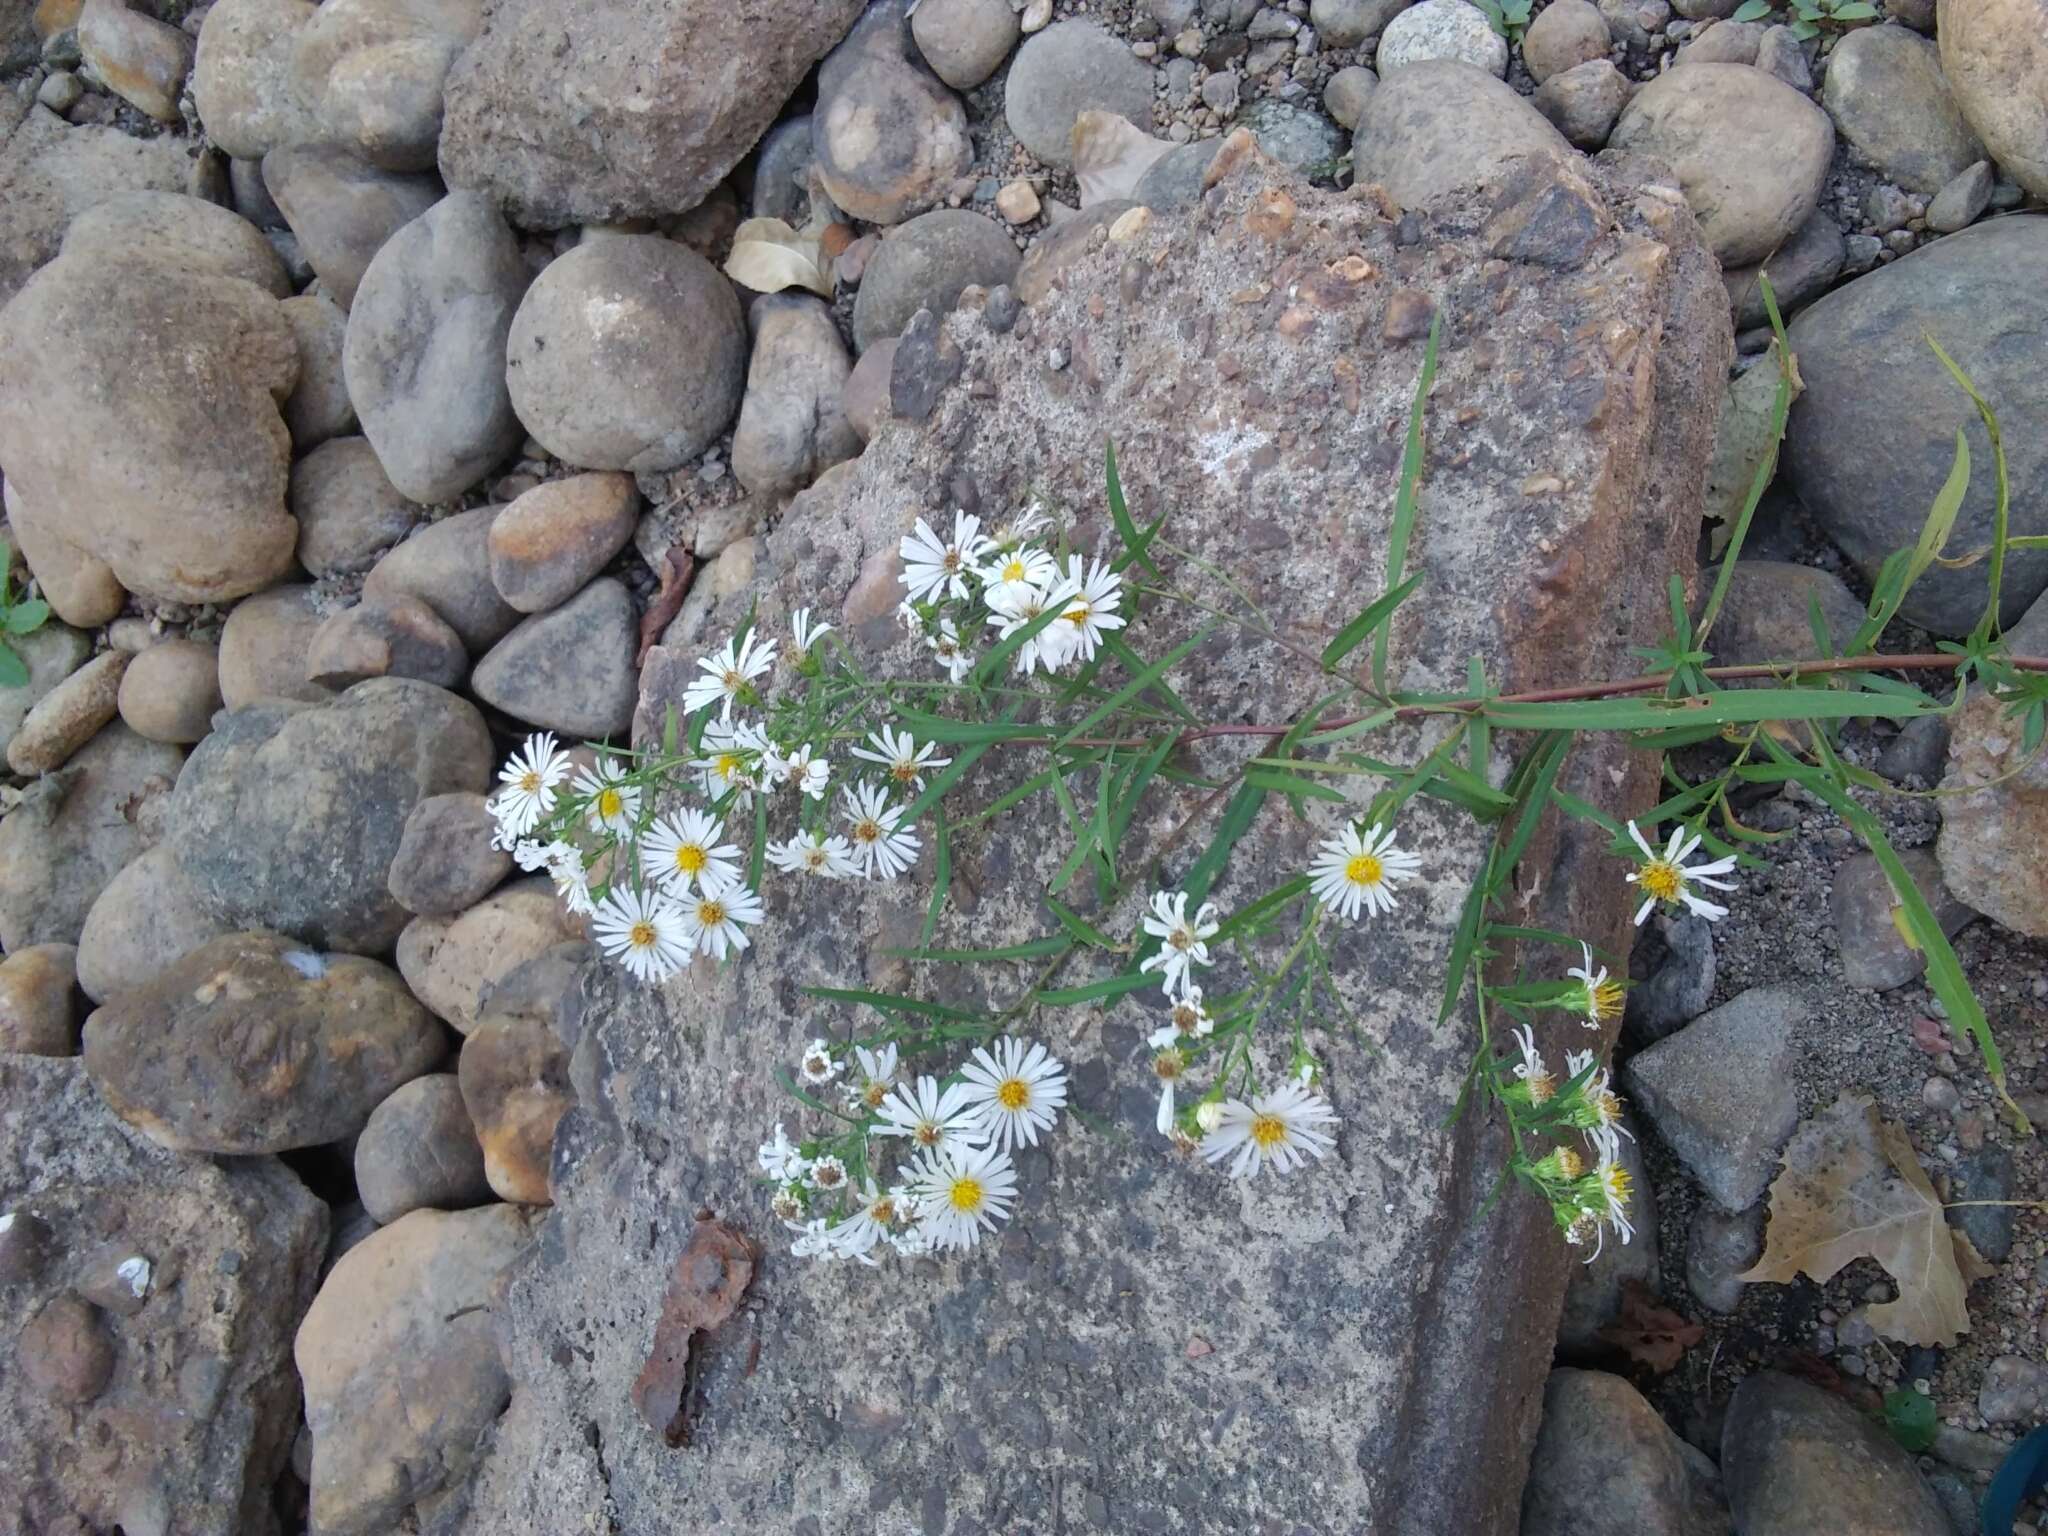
x,y
768,256
1111,156
1851,1188
1649,1334
712,1273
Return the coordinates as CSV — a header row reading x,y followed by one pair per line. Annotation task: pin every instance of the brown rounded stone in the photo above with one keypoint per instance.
x,y
68,716
448,961
445,861
548,542
263,648
39,1001
65,1351
386,637
515,1084
171,691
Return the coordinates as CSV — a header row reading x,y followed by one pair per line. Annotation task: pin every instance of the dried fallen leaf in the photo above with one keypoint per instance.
x,y
1649,1334
768,256
1851,1188
709,1278
667,602
1111,156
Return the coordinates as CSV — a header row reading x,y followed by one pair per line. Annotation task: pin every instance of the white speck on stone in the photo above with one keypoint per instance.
x,y
306,963
1220,447
6,1223
135,1272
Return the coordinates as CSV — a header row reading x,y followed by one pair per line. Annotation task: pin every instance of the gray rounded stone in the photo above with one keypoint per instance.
x,y
1174,180
349,512
923,265
263,647
1994,55
1795,1459
318,408
1874,953
1749,151
1347,23
425,355
447,566
1441,127
149,916
241,79
1800,271
1886,93
792,424
187,232
1346,95
1063,71
1583,102
782,170
1603,1448
627,353
965,41
372,73
419,1152
1564,35
1867,463
445,861
1300,138
342,208
887,137
571,670
1442,29
1719,1246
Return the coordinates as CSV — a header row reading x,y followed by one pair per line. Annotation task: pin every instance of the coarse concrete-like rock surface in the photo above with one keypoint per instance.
x,y
193,1424
1338,1304
400,1368
288,815
1869,463
255,1043
654,101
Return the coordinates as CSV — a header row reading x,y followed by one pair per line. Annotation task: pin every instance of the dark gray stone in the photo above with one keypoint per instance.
x,y
1885,91
923,265
1984,1175
1917,752
1874,952
445,862
1721,1094
288,815
1796,1460
1719,1246
419,1151
1800,271
447,565
1679,984
342,208
1175,179
349,512
570,670
1868,463
1607,1465
1300,138
926,362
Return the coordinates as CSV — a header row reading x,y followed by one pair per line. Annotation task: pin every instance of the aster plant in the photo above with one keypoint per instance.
x,y
786,761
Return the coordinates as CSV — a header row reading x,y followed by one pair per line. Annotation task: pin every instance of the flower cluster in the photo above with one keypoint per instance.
x,y
953,1178
662,886
967,582
1588,1190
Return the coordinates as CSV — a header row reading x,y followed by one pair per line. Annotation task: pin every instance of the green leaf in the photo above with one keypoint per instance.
x,y
1404,498
1033,949
1744,705
1137,546
889,1002
1463,945
760,854
13,670
942,876
1138,684
1086,932
1909,1414
1352,635
1752,10
25,618
1108,986
1856,10
1114,644
950,732
2001,520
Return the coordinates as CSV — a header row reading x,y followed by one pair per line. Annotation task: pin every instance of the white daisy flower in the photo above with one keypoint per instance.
x,y
1018,1090
1010,573
914,1241
1610,1186
1089,604
1664,877
881,848
1357,870
1284,1128
713,920
530,777
780,1159
935,567
956,658
683,852
530,855
1530,1070
1182,940
799,770
877,1073
1168,1066
961,1192
572,880
1599,1111
827,1173
1189,1016
731,761
1047,648
818,1065
729,674
813,1239
614,804
872,1223
1208,1115
898,752
1022,524
805,633
1602,998
933,1118
808,853
786,1204
644,931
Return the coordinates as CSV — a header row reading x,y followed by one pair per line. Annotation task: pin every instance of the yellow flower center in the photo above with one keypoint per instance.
x,y
710,913
530,782
926,1134
1607,1000
641,935
610,803
814,858
1079,614
1609,1107
1569,1164
1364,869
951,561
1013,1093
1662,879
903,770
884,1211
1180,938
866,831
1541,1086
1186,1017
1268,1131
727,764
1615,1178
1013,569
873,1094
1168,1065
690,858
965,1195
826,1175
732,680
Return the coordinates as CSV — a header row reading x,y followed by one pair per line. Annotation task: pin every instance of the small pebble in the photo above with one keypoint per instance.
x,y
1939,1095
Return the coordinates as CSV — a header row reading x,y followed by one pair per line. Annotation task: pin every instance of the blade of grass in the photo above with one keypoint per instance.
x,y
1404,498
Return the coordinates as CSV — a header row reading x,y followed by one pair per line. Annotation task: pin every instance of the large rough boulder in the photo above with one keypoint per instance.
x,y
287,817
168,462
372,72
189,1422
1868,463
648,104
1995,56
401,1372
254,1043
1315,1337
51,172
1798,1459
1996,813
